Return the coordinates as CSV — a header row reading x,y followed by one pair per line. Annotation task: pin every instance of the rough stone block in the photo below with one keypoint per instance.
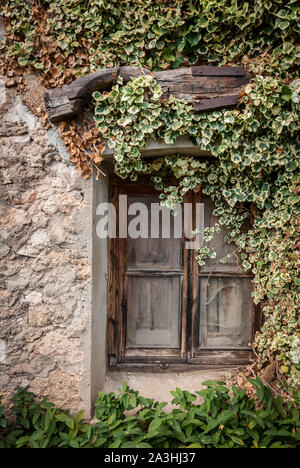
x,y
2,352
2,92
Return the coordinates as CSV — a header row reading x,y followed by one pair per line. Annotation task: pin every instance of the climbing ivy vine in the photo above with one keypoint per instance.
x,y
253,173
64,37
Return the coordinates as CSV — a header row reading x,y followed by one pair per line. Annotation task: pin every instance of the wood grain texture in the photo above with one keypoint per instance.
x,y
216,103
153,265
207,88
68,101
218,71
164,310
112,288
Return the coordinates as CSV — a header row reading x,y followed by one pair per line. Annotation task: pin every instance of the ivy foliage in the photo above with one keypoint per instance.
x,y
218,422
254,171
157,34
253,174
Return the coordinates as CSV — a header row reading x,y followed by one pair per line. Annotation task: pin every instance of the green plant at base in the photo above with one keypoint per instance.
x,y
42,425
218,421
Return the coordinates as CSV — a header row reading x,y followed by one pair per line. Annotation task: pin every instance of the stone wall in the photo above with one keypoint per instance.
x,y
45,261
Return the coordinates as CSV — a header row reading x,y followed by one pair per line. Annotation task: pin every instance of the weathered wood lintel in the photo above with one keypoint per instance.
x,y
218,71
68,101
216,103
207,88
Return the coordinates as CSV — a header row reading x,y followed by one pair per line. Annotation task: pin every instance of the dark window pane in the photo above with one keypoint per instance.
x,y
153,315
154,253
226,310
218,244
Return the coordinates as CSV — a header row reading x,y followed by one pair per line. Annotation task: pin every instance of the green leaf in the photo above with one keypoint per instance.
x,y
154,425
211,425
23,61
169,54
66,419
159,31
100,442
207,440
74,444
225,416
115,444
37,435
22,441
111,419
237,440
286,93
132,401
194,38
65,437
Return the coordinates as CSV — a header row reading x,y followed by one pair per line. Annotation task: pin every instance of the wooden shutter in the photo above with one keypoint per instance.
x,y
148,291
224,315
165,309
154,273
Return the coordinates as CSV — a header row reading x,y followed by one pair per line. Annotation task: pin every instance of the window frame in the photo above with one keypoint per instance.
x,y
189,356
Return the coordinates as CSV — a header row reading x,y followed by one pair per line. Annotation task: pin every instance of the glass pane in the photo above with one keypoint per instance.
x,y
218,244
159,253
226,310
153,305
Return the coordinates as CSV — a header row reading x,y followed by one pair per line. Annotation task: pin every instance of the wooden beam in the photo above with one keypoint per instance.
x,y
207,88
218,71
68,101
216,103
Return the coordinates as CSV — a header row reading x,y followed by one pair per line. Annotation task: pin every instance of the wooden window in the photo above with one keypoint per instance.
x,y
164,310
